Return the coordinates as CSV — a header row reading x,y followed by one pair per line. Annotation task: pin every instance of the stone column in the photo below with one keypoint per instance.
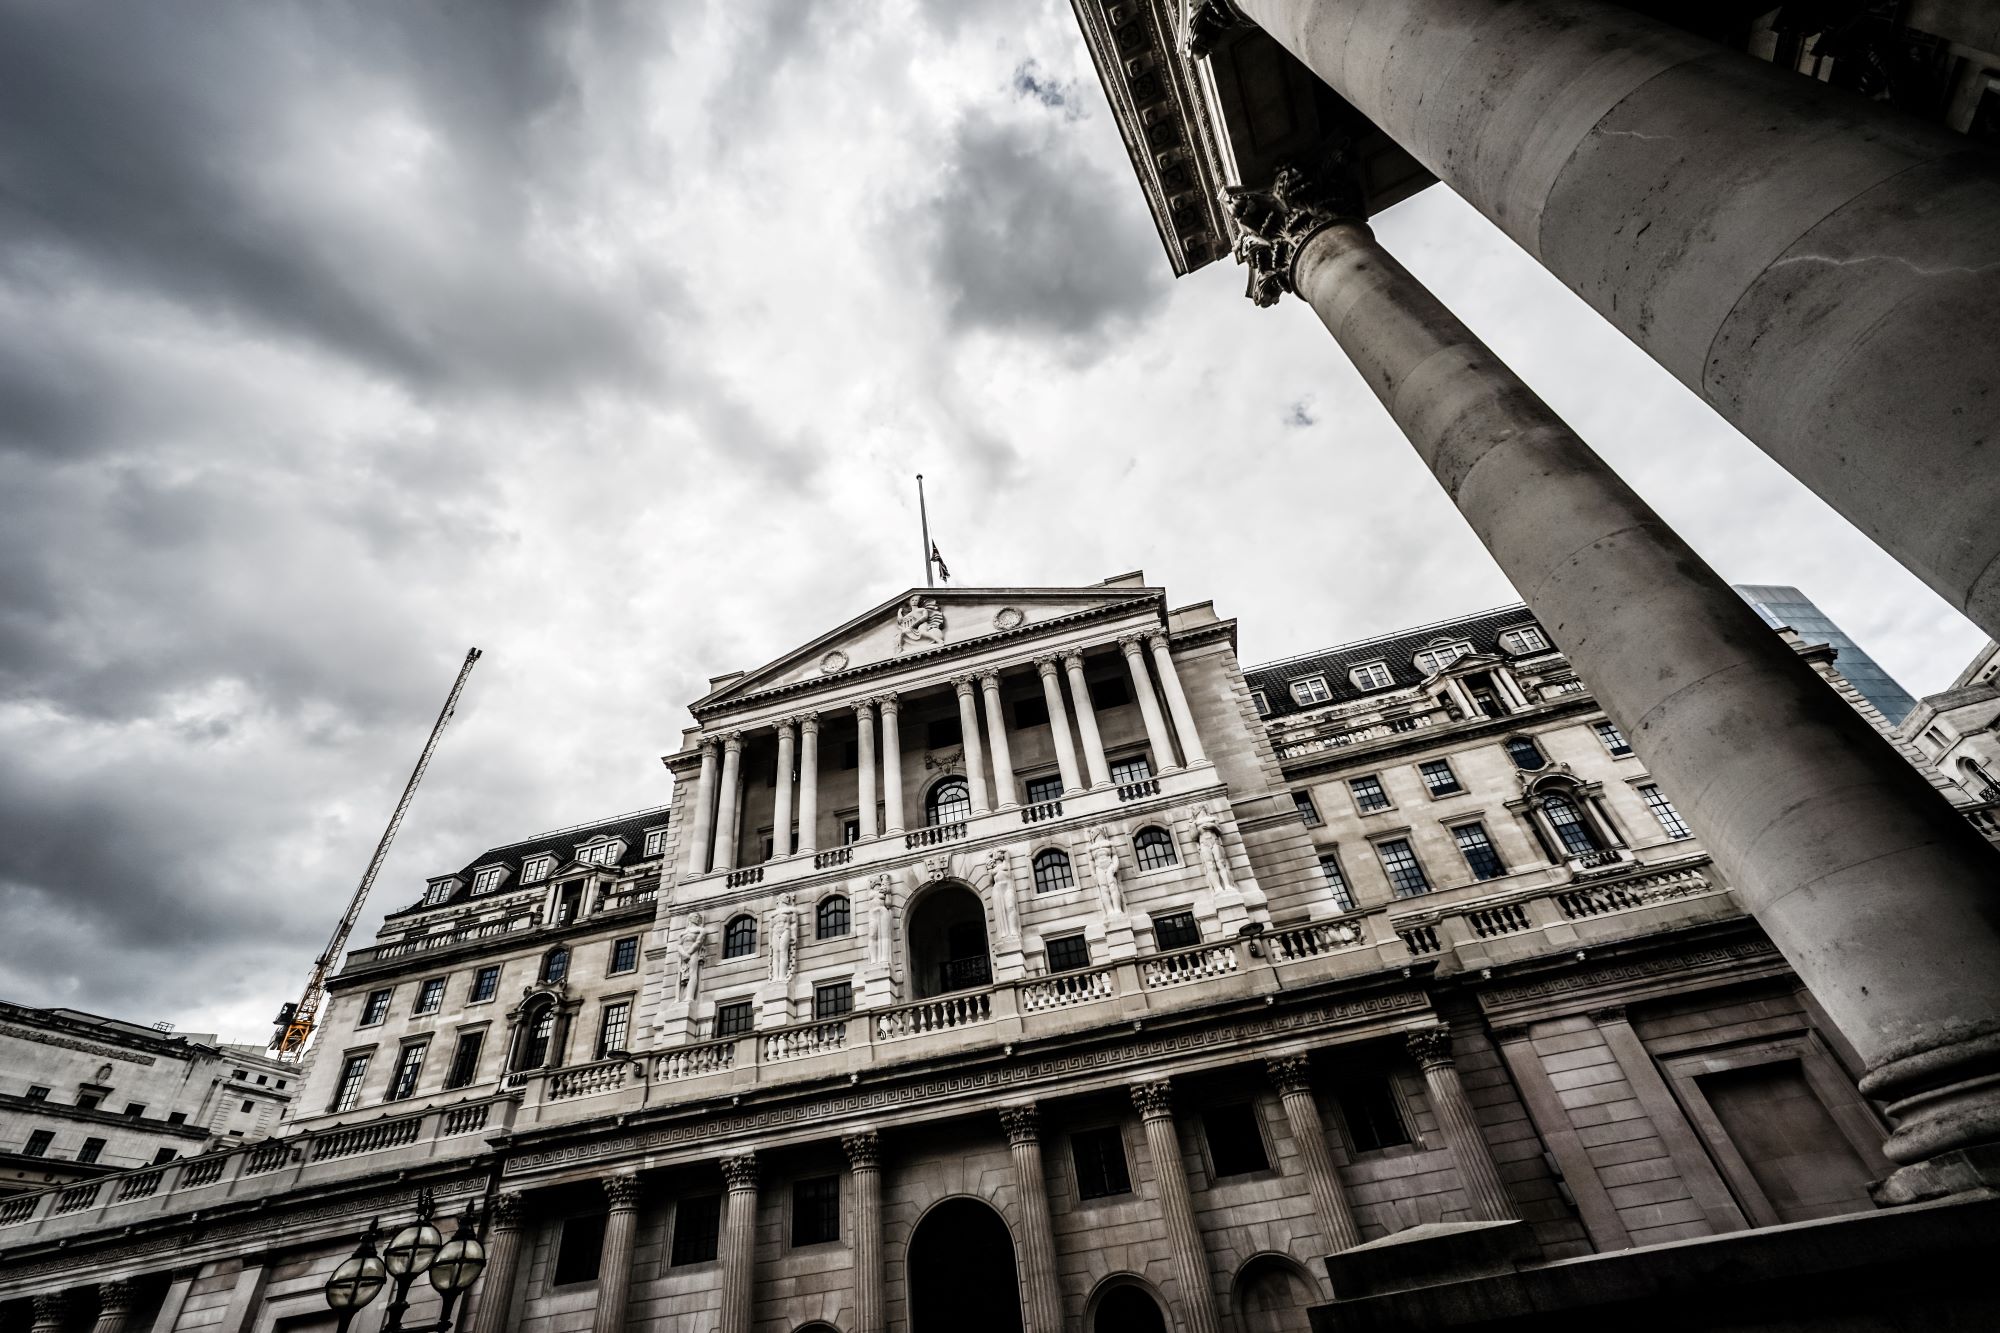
x,y
975,757
781,811
114,1305
892,765
1038,1236
1485,1192
493,1299
1052,695
50,1311
739,1243
809,783
702,838
1879,895
1292,1076
731,796
1177,702
614,1265
1086,722
1163,1145
864,723
1004,797
1133,646
1819,268
864,1157
178,1290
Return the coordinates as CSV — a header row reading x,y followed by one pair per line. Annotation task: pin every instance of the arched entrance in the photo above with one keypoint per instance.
x,y
1272,1294
1128,1308
960,1268
946,931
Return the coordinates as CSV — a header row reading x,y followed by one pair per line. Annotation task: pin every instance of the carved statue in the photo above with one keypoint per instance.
x,y
784,931
919,624
1272,224
691,945
1104,862
1214,851
1000,871
882,919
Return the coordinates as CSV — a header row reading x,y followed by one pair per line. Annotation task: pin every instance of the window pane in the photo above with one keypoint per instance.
x,y
578,1250
1336,882
1099,1155
408,1068
1576,836
739,937
614,1028
1307,810
348,1091
1480,857
949,802
816,1210
1525,754
1135,769
697,1228
1235,1143
834,917
430,996
625,954
1176,930
1044,789
1368,794
465,1060
1374,1118
1311,690
1406,877
833,999
1614,739
1068,953
485,983
1439,780
1053,872
733,1019
1155,849
555,967
1663,810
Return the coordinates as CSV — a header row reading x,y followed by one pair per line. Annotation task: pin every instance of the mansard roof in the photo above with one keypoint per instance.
x,y
559,843
1482,630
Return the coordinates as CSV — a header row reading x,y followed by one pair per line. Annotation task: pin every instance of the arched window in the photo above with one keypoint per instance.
x,y
540,1034
555,965
1526,755
739,937
1978,781
949,802
1154,849
833,918
1052,871
1577,839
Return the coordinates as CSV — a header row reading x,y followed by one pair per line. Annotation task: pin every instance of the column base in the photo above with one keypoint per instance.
x,y
1942,1100
1969,1173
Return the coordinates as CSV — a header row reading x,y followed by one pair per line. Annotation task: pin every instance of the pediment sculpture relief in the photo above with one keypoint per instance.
x,y
919,625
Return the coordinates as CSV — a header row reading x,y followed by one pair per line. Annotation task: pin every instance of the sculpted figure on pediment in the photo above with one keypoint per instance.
x,y
690,947
919,624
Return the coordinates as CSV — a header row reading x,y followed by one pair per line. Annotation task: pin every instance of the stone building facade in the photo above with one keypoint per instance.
x,y
1015,958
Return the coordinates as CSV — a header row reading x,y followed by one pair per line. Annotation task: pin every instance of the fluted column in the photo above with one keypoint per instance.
x,y
1051,672
50,1311
864,723
701,835
493,1298
1038,1236
864,1157
739,1243
1177,701
975,753
614,1265
781,811
1485,1192
1004,797
726,805
1086,722
893,819
1292,1076
809,783
1133,646
1163,1144
114,1305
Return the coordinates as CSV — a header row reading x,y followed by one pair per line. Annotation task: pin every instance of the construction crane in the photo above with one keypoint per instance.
x,y
295,1021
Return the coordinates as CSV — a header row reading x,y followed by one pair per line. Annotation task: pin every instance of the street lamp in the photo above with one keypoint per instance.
x,y
454,1265
358,1280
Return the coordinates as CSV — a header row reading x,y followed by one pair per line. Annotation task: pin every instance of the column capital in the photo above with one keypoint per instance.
x,y
1132,643
51,1309
808,724
785,726
1208,23
1154,1098
989,679
863,1148
1073,660
114,1297
622,1191
740,1171
709,745
1430,1046
1273,225
509,1211
732,740
1049,664
863,707
1157,640
965,684
889,704
1290,1073
1022,1123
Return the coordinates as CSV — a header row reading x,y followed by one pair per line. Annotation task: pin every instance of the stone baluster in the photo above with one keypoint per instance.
x,y
1038,1237
730,798
702,815
614,1266
864,1157
739,1243
1050,670
114,1307
50,1310
1163,1144
1292,1076
1086,722
975,755
494,1297
1485,1193
1003,753
781,808
1177,701
864,724
893,817
1134,648
809,783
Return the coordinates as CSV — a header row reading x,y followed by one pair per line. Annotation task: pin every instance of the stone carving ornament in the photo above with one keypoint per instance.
x,y
1001,869
1009,617
882,919
1273,225
690,946
832,662
1104,864
784,929
1214,851
919,624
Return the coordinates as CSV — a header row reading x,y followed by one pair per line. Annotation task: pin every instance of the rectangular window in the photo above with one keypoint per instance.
x,y
1311,690
487,880
1176,930
943,734
375,1008
465,1060
1368,794
347,1092
850,830
430,996
536,869
1307,810
1031,712
485,984
437,893
1099,1155
1068,953
1614,739
89,1101
1374,1118
91,1150
1336,882
1528,640
578,1250
38,1143
1235,1142
614,1029
1045,788
697,1228
1134,769
135,1110
180,1117
1261,702
1433,660
38,1093
1663,810
1111,693
1370,676
1480,858
733,1019
816,1210
245,1108
831,999
409,1067
1439,780
624,955
1406,877
656,841
164,1155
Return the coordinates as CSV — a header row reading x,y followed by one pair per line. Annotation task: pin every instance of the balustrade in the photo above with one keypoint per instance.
x,y
1420,939
466,1119
694,1061
587,1080
838,856
362,1138
76,1198
940,1015
736,879
1203,962
140,1185
1041,812
1623,896
1134,791
13,1211
933,835
797,1043
1322,937
1506,919
201,1171
1065,990
1603,856
270,1156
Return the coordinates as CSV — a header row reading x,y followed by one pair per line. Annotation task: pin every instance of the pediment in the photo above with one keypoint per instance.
x,y
923,623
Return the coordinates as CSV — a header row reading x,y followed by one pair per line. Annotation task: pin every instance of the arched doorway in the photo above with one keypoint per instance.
x,y
946,931
960,1269
1128,1308
1272,1294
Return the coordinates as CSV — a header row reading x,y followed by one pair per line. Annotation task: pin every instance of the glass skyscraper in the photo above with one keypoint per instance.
x,y
1780,604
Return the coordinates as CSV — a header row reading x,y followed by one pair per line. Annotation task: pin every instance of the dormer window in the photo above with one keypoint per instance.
x,y
1371,676
536,869
656,841
1439,656
1262,703
1311,690
1527,639
605,853
487,880
439,890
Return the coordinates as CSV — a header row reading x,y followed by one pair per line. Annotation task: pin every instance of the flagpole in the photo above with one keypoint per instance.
x,y
930,579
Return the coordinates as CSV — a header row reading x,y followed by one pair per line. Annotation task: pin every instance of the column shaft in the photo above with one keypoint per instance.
x,y
1132,645
892,765
1292,1077
1052,695
1485,1192
701,837
1163,1145
493,1298
975,755
781,811
1004,797
809,783
614,1264
864,723
1877,892
1038,1237
731,796
1086,722
1177,701
864,1156
739,1243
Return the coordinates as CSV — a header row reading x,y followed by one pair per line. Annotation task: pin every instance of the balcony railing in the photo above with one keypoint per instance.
x,y
934,835
965,973
1140,790
1041,812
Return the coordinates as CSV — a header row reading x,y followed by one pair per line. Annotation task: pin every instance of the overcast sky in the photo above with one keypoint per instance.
x,y
336,339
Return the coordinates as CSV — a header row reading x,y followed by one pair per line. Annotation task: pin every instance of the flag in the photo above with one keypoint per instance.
x,y
943,573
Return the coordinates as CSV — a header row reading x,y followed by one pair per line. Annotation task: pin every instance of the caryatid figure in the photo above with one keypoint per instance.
x,y
1000,870
882,919
784,938
1104,862
691,945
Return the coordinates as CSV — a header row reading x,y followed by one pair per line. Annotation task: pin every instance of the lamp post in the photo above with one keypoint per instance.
x,y
454,1265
